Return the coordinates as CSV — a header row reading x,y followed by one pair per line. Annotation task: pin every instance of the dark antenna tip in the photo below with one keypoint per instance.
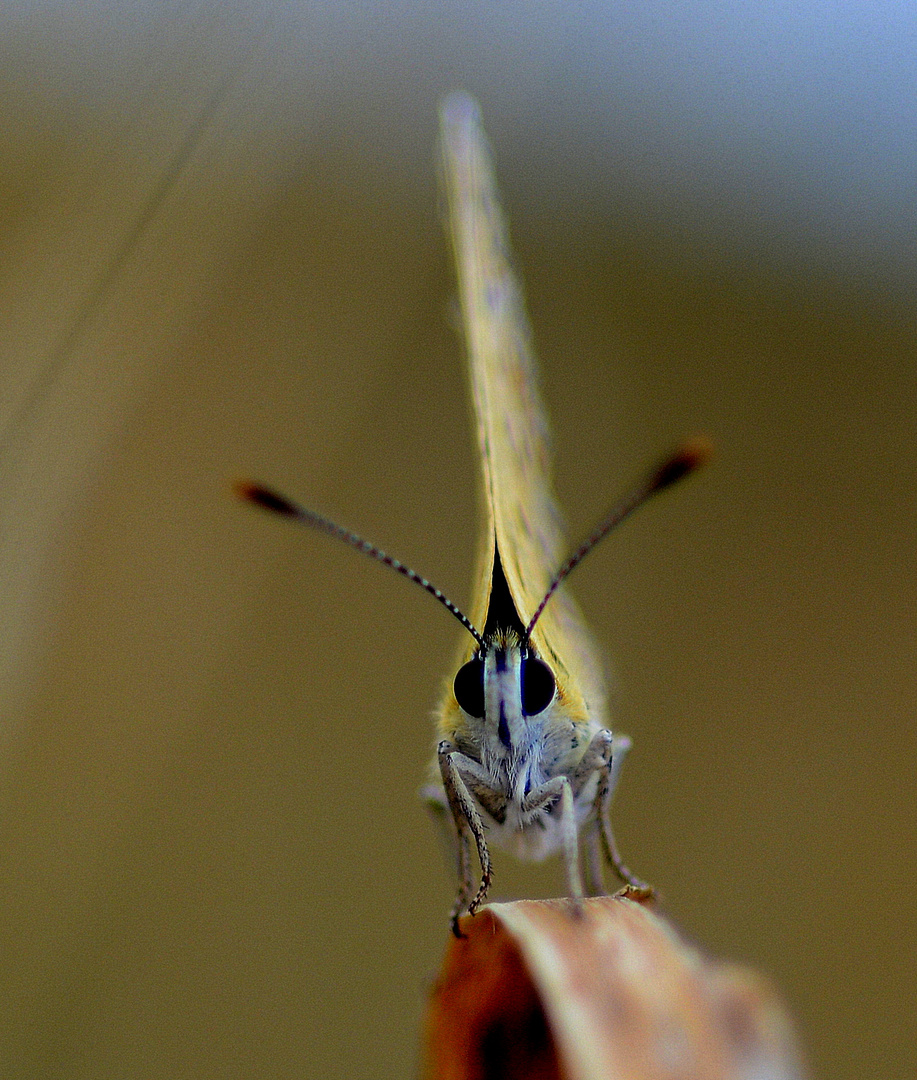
x,y
248,491
267,499
691,455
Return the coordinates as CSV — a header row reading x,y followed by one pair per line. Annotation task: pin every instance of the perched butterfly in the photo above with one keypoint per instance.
x,y
525,758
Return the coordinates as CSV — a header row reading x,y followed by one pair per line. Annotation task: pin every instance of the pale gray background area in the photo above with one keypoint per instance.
x,y
222,255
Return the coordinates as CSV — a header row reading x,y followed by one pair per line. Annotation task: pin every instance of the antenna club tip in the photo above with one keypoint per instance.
x,y
697,451
261,496
691,455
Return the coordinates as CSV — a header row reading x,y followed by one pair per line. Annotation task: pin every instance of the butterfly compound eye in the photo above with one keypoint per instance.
x,y
537,686
469,687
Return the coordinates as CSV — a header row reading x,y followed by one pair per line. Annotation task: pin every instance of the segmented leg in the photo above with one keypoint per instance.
x,y
614,752
592,852
468,824
571,846
535,801
463,851
604,756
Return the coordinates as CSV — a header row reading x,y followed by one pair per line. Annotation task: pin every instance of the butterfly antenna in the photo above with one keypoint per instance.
x,y
278,504
685,460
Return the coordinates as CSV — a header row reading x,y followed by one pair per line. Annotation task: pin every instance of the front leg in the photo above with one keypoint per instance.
x,y
605,755
535,801
468,824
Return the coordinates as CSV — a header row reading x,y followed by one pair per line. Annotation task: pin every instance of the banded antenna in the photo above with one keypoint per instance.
x,y
685,460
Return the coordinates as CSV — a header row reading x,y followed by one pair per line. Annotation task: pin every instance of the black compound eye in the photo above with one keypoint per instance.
x,y
469,687
537,686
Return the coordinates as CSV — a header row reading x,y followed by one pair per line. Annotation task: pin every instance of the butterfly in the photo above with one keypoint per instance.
x,y
525,759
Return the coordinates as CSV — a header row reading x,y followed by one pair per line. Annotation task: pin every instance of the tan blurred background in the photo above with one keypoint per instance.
x,y
223,256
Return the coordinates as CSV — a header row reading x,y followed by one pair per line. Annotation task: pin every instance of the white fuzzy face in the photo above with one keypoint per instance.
x,y
511,721
510,689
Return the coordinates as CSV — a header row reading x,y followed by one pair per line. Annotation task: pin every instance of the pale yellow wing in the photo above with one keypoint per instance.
x,y
520,508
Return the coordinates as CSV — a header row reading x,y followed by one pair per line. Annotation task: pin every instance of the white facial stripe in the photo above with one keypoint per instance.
x,y
503,697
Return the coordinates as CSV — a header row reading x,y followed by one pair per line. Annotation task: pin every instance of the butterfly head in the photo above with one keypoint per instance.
x,y
505,685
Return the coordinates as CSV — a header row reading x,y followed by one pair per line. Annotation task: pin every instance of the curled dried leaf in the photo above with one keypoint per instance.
x,y
536,991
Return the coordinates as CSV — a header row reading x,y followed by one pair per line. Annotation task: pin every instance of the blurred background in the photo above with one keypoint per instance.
x,y
223,256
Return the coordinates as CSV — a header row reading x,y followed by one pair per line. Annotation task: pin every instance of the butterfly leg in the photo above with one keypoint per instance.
x,y
560,788
435,798
610,750
468,824
593,765
592,861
